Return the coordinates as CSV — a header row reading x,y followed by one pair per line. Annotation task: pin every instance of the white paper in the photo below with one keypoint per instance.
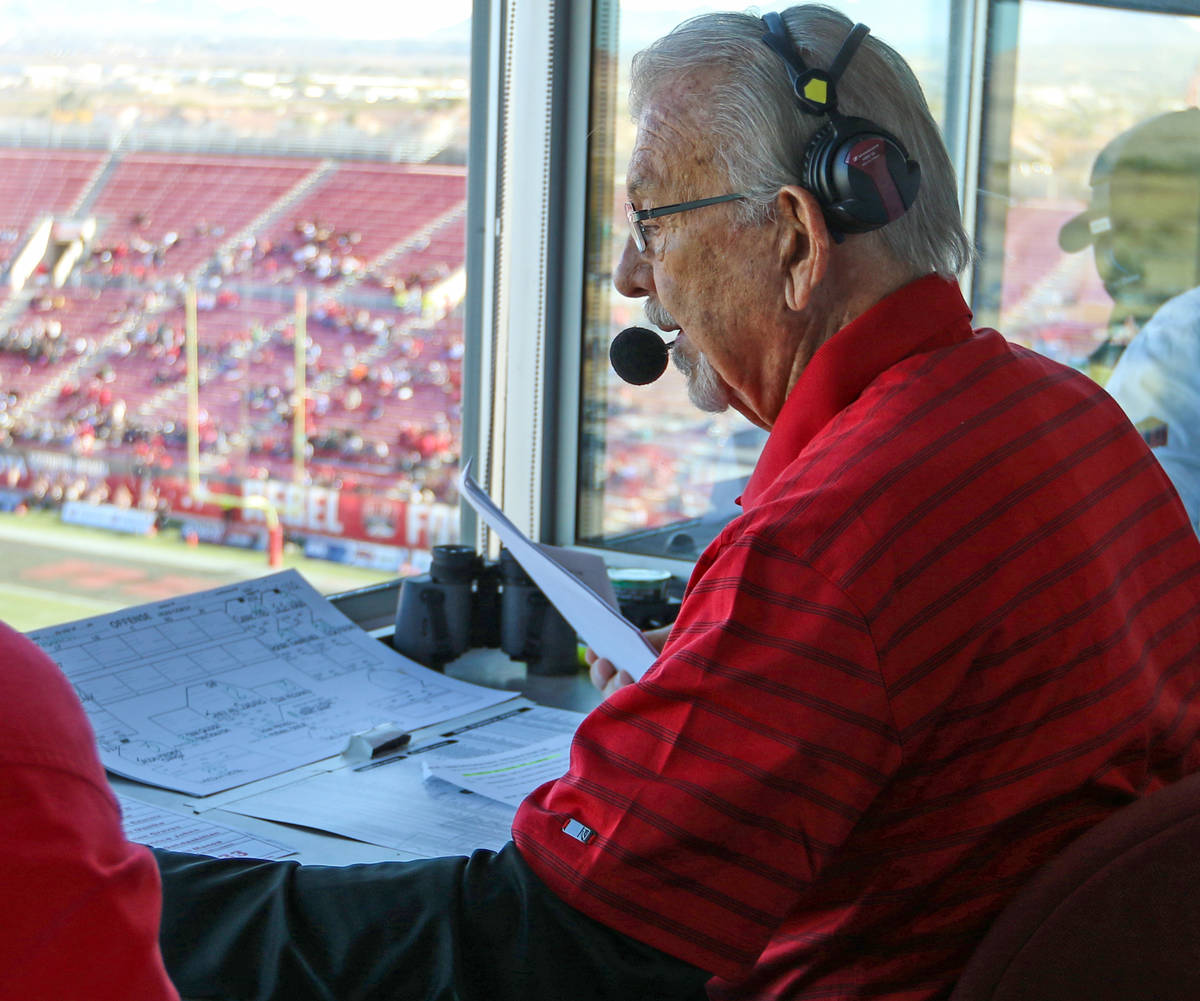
x,y
509,776
177,832
209,691
588,567
600,625
390,803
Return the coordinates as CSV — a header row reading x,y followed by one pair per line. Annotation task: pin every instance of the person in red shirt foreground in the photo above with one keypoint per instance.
x,y
956,624
80,904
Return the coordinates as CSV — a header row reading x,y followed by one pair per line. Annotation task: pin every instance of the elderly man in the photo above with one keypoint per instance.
x,y
955,625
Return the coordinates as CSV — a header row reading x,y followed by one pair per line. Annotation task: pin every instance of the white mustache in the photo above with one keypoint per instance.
x,y
659,316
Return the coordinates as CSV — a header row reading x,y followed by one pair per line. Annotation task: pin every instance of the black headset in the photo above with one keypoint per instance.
x,y
862,176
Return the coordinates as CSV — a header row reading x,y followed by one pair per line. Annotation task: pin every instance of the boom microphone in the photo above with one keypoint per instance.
x,y
638,355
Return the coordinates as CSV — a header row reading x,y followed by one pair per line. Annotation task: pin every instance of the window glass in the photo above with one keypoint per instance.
x,y
657,476
1089,213
1089,187
301,173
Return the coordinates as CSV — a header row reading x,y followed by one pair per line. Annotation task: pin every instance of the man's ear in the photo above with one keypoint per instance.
x,y
804,243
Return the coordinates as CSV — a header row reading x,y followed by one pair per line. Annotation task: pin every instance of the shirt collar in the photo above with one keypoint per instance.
x,y
924,315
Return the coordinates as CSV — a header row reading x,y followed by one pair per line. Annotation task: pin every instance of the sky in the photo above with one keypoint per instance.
x,y
906,23
902,24
912,25
397,18
379,19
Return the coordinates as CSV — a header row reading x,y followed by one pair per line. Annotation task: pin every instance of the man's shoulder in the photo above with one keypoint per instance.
x,y
931,444
970,393
27,666
41,717
986,355
1170,340
1182,310
988,385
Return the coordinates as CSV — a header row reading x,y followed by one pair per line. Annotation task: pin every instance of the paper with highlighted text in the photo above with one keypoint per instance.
x,y
507,776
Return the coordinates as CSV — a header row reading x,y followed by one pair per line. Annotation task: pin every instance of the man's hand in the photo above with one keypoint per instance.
x,y
606,677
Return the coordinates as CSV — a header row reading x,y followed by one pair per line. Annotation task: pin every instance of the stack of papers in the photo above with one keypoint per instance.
x,y
246,695
508,776
210,691
179,832
261,684
413,801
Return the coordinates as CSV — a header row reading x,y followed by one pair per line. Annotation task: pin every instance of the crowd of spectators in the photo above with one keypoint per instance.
x,y
42,341
324,255
138,258
312,252
365,369
50,490
97,370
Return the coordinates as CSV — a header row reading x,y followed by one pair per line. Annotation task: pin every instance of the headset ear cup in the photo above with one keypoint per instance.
x,y
862,176
813,172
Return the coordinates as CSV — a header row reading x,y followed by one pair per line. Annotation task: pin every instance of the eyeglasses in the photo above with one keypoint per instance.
x,y
637,216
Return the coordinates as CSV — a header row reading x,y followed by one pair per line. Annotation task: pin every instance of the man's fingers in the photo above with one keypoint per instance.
x,y
619,680
601,671
606,677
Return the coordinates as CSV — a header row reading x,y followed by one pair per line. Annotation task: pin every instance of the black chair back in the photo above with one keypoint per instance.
x,y
1115,917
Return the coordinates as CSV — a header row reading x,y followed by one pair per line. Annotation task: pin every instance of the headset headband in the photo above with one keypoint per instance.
x,y
861,175
815,89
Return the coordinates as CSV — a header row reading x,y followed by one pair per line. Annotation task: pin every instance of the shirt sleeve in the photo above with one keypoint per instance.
x,y
703,802
443,929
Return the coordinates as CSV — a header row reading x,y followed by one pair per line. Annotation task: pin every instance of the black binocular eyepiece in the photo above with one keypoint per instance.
x,y
464,602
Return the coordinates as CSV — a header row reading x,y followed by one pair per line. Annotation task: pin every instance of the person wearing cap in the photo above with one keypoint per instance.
x,y
1143,225
954,626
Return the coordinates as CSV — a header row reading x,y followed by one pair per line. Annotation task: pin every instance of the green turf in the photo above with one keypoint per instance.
x,y
26,609
30,601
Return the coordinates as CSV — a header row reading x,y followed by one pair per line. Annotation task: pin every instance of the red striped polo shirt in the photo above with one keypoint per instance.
x,y
956,624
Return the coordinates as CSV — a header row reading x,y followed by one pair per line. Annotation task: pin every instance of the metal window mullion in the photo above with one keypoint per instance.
x,y
966,49
525,262
484,179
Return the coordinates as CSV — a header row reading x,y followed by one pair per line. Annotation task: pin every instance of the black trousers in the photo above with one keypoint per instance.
x,y
444,929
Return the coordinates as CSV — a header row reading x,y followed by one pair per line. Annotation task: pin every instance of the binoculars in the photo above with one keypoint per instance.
x,y
464,602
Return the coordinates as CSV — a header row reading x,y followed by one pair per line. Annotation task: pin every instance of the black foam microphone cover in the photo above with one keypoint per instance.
x,y
638,355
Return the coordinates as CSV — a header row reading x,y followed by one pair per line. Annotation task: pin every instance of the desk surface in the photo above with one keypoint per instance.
x,y
484,667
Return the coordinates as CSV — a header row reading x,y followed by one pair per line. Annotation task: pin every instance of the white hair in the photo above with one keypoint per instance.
x,y
760,132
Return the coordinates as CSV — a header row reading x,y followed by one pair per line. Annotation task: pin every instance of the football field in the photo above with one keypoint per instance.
x,y
51,572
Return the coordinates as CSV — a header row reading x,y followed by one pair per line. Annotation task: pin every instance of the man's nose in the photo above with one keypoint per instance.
x,y
633,277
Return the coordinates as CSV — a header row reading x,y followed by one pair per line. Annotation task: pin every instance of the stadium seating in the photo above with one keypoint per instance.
x,y
179,208
35,183
363,211
103,359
